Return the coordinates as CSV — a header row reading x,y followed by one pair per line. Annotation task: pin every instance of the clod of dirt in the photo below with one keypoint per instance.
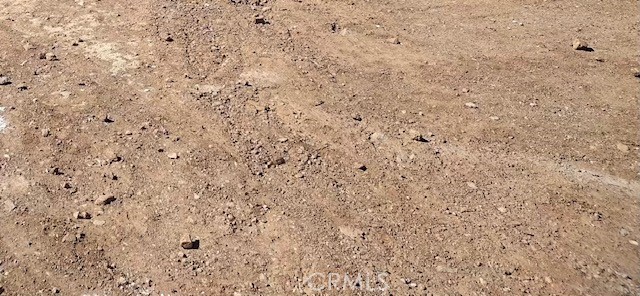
x,y
104,199
188,243
581,45
82,215
4,80
471,105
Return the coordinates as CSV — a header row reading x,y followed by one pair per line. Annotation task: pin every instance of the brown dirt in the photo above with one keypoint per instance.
x,y
293,138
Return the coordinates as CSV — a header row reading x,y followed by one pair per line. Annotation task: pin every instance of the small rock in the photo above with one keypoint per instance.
x,y
99,222
261,20
9,206
622,147
465,90
351,232
82,215
22,87
49,56
635,243
472,185
283,140
360,166
494,118
55,290
4,80
624,232
166,37
417,136
356,117
502,209
547,280
580,45
104,199
377,138
187,243
393,40
45,132
471,105
122,281
172,155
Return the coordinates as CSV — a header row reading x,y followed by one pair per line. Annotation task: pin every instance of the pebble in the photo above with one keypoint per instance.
x,y
82,215
172,155
494,118
351,232
417,136
377,138
471,105
104,199
99,222
188,243
45,132
472,185
4,80
622,147
360,166
9,206
580,45
356,117
502,209
49,56
624,232
635,243
260,20
393,40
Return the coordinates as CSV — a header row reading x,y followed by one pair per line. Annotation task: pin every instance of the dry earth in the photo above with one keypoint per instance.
x,y
453,147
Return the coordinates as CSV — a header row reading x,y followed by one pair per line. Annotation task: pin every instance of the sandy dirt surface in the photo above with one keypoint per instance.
x,y
275,147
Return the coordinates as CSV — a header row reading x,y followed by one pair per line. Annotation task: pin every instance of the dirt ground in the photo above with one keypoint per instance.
x,y
431,147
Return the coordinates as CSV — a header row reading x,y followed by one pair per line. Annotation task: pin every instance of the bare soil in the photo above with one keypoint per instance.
x,y
457,147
